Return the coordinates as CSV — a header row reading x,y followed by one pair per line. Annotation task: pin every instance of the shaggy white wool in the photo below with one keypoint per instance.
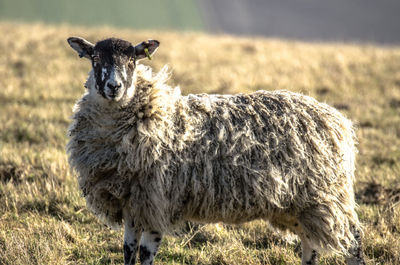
x,y
278,156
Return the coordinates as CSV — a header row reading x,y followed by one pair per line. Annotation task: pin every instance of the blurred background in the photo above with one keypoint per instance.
x,y
370,21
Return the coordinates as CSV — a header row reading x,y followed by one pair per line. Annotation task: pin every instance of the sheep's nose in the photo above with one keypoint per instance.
x,y
113,85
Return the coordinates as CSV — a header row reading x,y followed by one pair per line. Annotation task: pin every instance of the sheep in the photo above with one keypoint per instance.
x,y
150,159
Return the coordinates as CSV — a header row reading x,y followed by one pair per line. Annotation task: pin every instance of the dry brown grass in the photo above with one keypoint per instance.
x,y
43,219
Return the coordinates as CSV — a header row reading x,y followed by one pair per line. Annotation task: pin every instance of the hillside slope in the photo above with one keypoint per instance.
x,y
43,219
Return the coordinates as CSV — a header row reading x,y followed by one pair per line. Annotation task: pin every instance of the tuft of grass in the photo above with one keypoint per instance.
x,y
43,218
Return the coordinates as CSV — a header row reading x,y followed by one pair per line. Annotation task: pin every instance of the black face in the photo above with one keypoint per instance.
x,y
113,62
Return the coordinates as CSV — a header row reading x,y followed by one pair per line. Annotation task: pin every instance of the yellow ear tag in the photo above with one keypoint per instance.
x,y
146,51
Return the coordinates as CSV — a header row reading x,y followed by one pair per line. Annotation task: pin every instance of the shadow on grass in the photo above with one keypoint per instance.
x,y
375,193
11,172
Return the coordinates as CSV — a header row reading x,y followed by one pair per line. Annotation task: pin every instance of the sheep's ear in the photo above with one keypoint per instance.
x,y
83,47
146,49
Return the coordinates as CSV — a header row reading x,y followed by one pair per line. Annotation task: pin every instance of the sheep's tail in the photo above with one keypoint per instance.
x,y
332,223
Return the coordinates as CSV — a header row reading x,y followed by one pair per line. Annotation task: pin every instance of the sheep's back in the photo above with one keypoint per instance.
x,y
245,156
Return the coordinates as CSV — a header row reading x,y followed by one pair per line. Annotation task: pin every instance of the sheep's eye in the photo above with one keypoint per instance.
x,y
96,59
131,61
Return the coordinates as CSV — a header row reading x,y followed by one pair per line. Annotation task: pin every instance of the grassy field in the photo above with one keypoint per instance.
x,y
43,218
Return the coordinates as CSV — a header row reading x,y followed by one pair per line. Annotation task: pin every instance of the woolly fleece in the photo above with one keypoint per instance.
x,y
278,156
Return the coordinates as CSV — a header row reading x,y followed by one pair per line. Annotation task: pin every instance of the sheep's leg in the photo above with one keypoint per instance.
x,y
148,247
309,256
131,242
356,253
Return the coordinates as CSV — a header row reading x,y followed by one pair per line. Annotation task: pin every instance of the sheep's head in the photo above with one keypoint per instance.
x,y
114,62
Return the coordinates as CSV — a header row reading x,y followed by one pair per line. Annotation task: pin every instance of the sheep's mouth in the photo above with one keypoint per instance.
x,y
114,95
